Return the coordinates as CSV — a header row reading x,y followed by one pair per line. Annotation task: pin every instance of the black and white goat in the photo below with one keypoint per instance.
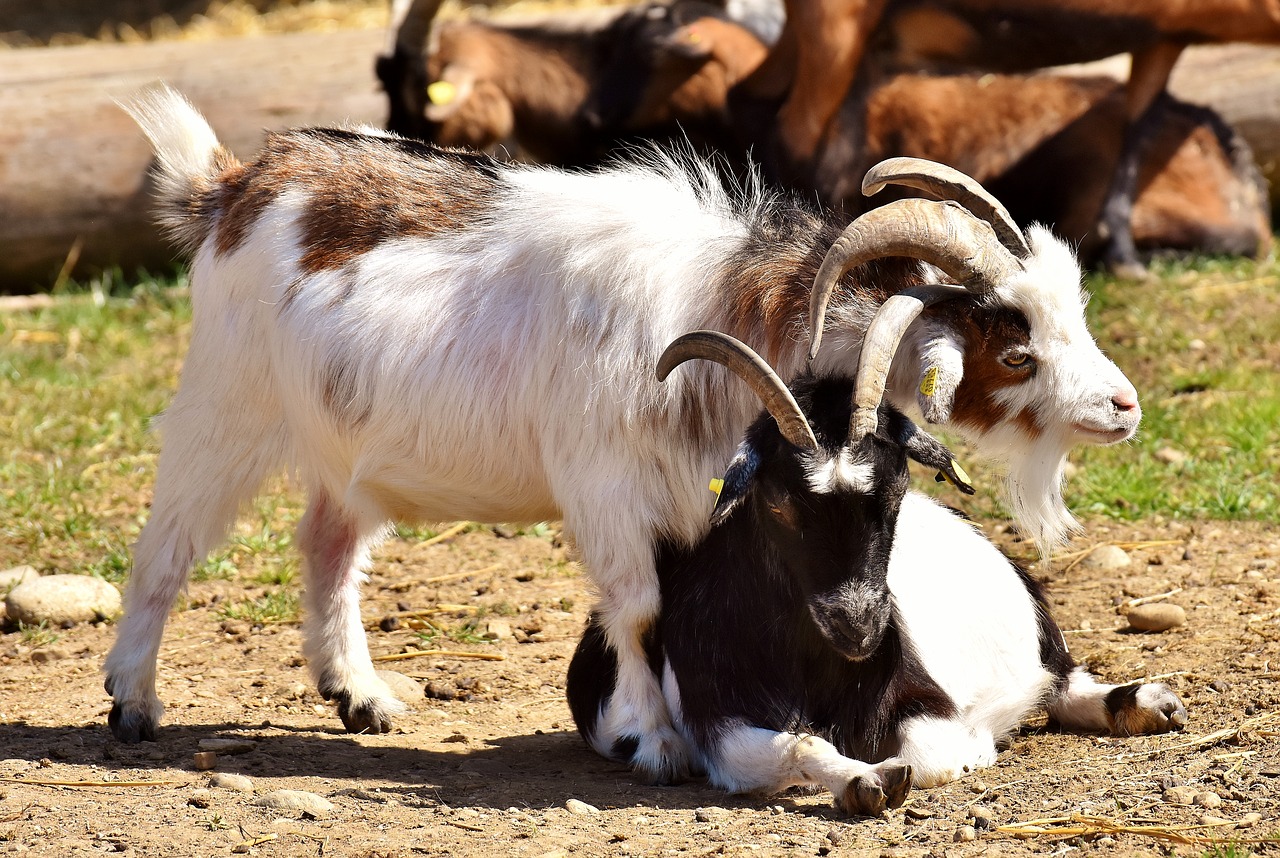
x,y
801,643
422,334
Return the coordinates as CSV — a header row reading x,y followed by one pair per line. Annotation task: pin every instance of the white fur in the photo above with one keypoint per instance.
x,y
500,373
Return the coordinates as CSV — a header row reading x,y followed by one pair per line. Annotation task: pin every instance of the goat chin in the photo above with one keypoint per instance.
x,y
1033,489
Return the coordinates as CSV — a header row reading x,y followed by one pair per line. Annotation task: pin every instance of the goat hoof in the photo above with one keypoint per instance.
x,y
1147,708
130,725
871,794
368,717
896,782
661,763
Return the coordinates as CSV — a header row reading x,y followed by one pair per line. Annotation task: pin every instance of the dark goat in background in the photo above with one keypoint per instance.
x,y
832,629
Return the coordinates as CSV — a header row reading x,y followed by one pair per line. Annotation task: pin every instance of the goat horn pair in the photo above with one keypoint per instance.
x,y
945,234
751,368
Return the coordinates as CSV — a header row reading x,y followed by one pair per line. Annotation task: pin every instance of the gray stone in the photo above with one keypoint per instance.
x,y
403,687
1180,795
62,599
226,780
296,801
1107,558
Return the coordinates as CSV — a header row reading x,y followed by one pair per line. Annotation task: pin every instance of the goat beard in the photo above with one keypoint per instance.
x,y
1034,492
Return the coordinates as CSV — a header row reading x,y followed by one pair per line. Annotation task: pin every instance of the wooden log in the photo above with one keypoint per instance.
x,y
73,165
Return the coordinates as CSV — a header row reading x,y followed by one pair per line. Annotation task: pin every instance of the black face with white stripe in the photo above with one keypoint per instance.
x,y
829,514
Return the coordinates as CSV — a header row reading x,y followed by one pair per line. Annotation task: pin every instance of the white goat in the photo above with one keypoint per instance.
x,y
427,335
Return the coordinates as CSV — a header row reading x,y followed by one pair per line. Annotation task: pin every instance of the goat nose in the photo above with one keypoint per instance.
x,y
1125,400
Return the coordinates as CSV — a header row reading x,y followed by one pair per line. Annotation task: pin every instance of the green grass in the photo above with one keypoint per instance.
x,y
81,381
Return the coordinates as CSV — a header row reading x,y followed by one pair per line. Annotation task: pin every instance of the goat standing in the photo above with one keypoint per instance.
x,y
801,643
423,334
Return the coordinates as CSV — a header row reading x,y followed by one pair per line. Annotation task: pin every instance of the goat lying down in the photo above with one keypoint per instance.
x,y
423,334
801,643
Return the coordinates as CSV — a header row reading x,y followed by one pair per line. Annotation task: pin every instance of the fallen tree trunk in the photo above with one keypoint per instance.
x,y
73,189
73,166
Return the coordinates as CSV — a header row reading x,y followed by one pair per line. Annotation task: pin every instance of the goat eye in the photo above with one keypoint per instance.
x,y
1016,359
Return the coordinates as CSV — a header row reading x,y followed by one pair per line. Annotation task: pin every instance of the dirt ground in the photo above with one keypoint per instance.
x,y
490,771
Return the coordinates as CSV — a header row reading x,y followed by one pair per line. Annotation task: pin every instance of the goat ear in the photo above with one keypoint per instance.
x,y
941,368
930,452
737,483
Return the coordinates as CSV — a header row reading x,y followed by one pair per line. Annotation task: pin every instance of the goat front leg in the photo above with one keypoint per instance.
x,y
333,636
1121,710
753,759
634,725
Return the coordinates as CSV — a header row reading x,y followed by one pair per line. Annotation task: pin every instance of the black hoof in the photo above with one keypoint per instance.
x,y
130,727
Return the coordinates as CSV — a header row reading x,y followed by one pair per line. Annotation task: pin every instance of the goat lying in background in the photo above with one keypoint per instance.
x,y
801,643
423,334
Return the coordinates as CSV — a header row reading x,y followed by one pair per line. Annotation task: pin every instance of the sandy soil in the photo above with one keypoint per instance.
x,y
489,772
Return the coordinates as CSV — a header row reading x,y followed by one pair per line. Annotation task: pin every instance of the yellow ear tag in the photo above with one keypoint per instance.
x,y
929,383
964,478
716,486
441,93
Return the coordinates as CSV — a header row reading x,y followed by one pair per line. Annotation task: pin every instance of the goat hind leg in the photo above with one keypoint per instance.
x,y
333,636
200,483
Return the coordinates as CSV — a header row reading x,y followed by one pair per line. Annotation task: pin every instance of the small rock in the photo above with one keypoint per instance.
x,y
205,760
15,576
580,808
1107,558
389,624
59,599
835,837
1208,800
1180,795
1156,617
914,811
1220,686
296,801
200,798
777,810
46,655
965,834
708,814
403,687
497,629
504,531
982,817
1196,345
1170,456
226,780
1249,820
228,746
441,690
1216,821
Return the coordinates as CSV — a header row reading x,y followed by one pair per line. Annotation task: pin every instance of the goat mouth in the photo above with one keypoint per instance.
x,y
1102,435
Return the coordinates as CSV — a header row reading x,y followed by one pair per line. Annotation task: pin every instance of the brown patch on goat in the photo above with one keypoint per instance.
x,y
360,190
987,334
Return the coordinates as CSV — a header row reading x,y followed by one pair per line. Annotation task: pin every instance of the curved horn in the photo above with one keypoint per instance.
x,y
411,25
948,183
940,233
751,368
879,346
